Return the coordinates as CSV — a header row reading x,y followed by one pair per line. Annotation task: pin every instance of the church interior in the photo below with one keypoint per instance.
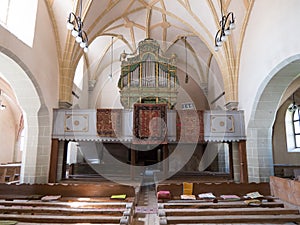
x,y
145,112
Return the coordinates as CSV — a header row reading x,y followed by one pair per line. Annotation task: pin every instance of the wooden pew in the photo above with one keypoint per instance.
x,y
75,203
101,213
201,211
187,204
217,189
67,190
258,219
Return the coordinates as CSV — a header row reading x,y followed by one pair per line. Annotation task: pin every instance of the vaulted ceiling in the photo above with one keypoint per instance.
x,y
167,21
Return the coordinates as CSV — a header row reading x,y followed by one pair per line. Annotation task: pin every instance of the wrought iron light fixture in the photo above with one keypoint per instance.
x,y
112,57
186,74
227,23
2,106
75,25
294,106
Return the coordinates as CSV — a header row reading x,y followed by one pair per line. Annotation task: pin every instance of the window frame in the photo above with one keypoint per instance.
x,y
12,11
291,135
296,134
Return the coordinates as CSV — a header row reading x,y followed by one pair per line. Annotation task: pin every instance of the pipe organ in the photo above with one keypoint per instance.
x,y
148,77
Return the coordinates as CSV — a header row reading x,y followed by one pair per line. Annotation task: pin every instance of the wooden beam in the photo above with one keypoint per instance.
x,y
243,162
60,218
53,161
64,164
231,168
219,205
230,211
133,160
165,156
234,219
63,211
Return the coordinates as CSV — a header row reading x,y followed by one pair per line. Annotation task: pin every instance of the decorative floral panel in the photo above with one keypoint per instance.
x,y
109,123
190,126
150,124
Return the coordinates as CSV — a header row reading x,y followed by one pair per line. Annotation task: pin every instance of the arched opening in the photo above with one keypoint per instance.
x,y
36,139
259,130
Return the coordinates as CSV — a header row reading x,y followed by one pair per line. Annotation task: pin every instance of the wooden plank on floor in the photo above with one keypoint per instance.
x,y
237,204
31,223
8,197
230,211
260,219
62,211
65,204
60,219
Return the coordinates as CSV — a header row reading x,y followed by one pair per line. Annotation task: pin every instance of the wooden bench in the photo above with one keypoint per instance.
x,y
217,189
201,211
69,212
75,203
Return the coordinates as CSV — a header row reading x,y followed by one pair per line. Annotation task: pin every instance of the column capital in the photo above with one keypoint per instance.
x,y
231,105
92,84
64,105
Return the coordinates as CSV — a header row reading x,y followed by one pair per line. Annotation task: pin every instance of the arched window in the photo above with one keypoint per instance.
x,y
292,125
296,127
78,78
19,17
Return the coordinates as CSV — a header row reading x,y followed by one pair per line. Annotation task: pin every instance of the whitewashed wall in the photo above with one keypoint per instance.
x,y
267,67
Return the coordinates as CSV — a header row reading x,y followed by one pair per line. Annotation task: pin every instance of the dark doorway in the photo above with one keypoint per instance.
x,y
148,155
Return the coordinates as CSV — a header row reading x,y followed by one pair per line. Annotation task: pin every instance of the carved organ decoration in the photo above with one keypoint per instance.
x,y
148,77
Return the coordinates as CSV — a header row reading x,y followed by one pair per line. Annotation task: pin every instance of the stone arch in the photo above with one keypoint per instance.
x,y
263,113
36,154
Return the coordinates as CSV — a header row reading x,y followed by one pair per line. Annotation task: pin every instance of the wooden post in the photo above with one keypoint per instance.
x,y
165,156
243,162
64,163
133,159
53,161
231,168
